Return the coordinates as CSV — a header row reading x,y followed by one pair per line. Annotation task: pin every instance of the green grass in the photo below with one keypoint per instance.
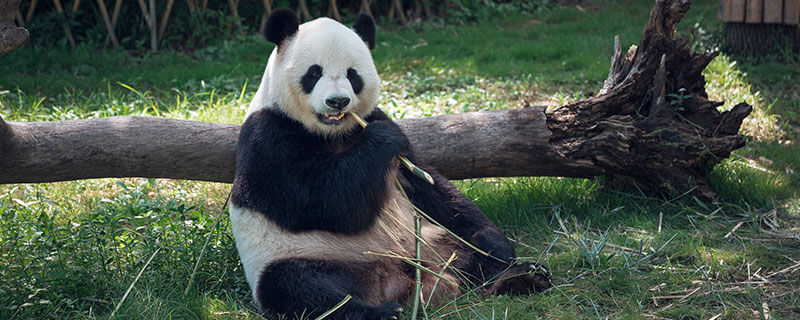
x,y
72,249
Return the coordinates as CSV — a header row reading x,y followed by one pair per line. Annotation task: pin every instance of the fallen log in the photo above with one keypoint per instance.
x,y
651,125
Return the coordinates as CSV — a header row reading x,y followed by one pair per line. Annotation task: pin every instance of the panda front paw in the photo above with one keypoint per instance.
x,y
388,134
387,311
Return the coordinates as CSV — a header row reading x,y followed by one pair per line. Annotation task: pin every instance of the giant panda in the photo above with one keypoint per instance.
x,y
315,210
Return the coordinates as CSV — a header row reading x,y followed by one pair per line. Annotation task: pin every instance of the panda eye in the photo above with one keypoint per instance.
x,y
315,71
355,80
309,80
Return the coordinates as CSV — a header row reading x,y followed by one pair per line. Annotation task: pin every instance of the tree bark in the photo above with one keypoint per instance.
x,y
11,36
651,125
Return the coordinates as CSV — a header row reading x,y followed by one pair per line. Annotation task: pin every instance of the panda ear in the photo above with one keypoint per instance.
x,y
365,28
281,24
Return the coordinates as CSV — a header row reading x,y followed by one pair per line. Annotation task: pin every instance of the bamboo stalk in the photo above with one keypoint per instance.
x,y
268,6
20,19
107,22
125,296
335,10
336,307
365,4
114,18
115,14
64,25
417,272
31,8
415,264
304,9
75,5
399,9
191,5
165,20
234,5
153,31
408,164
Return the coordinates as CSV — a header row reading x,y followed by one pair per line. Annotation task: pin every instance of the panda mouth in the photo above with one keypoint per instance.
x,y
332,118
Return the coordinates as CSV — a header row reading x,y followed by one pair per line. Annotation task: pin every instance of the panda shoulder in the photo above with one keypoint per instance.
x,y
377,115
266,123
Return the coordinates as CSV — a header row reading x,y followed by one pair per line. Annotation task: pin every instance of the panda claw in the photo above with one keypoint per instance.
x,y
398,309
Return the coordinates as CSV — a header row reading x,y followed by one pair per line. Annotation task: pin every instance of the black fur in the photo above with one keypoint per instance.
x,y
296,179
310,78
281,24
447,205
355,80
311,287
365,28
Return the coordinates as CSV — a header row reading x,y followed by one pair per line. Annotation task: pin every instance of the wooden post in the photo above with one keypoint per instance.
x,y
773,11
165,20
754,11
109,28
64,26
737,11
724,10
791,12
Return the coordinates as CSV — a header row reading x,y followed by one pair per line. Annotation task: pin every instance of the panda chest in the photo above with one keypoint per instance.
x,y
334,146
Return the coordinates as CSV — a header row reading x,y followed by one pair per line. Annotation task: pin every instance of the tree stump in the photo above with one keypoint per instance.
x,y
11,36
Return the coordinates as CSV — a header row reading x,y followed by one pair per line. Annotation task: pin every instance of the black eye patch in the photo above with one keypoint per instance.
x,y
309,80
355,80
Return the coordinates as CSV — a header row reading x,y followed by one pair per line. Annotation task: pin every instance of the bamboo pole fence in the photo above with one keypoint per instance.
x,y
154,16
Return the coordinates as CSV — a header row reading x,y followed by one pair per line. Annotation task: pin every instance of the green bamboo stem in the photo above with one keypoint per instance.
x,y
408,164
336,307
417,273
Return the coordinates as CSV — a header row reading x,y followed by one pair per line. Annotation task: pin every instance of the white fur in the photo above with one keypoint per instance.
x,y
336,48
261,242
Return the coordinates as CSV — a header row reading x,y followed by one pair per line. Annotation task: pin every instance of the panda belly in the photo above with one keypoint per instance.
x,y
261,242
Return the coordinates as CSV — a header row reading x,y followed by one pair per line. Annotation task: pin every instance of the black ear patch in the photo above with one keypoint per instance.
x,y
365,28
281,24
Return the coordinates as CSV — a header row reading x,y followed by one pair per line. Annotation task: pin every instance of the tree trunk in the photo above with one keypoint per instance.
x,y
11,36
651,125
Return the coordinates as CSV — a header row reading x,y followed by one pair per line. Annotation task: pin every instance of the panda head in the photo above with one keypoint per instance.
x,y
321,70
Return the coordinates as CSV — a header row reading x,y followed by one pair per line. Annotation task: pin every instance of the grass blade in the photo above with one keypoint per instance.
x,y
125,296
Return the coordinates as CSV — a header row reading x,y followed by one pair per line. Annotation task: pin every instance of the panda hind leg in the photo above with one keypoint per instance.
x,y
296,287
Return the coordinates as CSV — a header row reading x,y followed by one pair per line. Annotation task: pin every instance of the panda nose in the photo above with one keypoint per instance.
x,y
337,103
